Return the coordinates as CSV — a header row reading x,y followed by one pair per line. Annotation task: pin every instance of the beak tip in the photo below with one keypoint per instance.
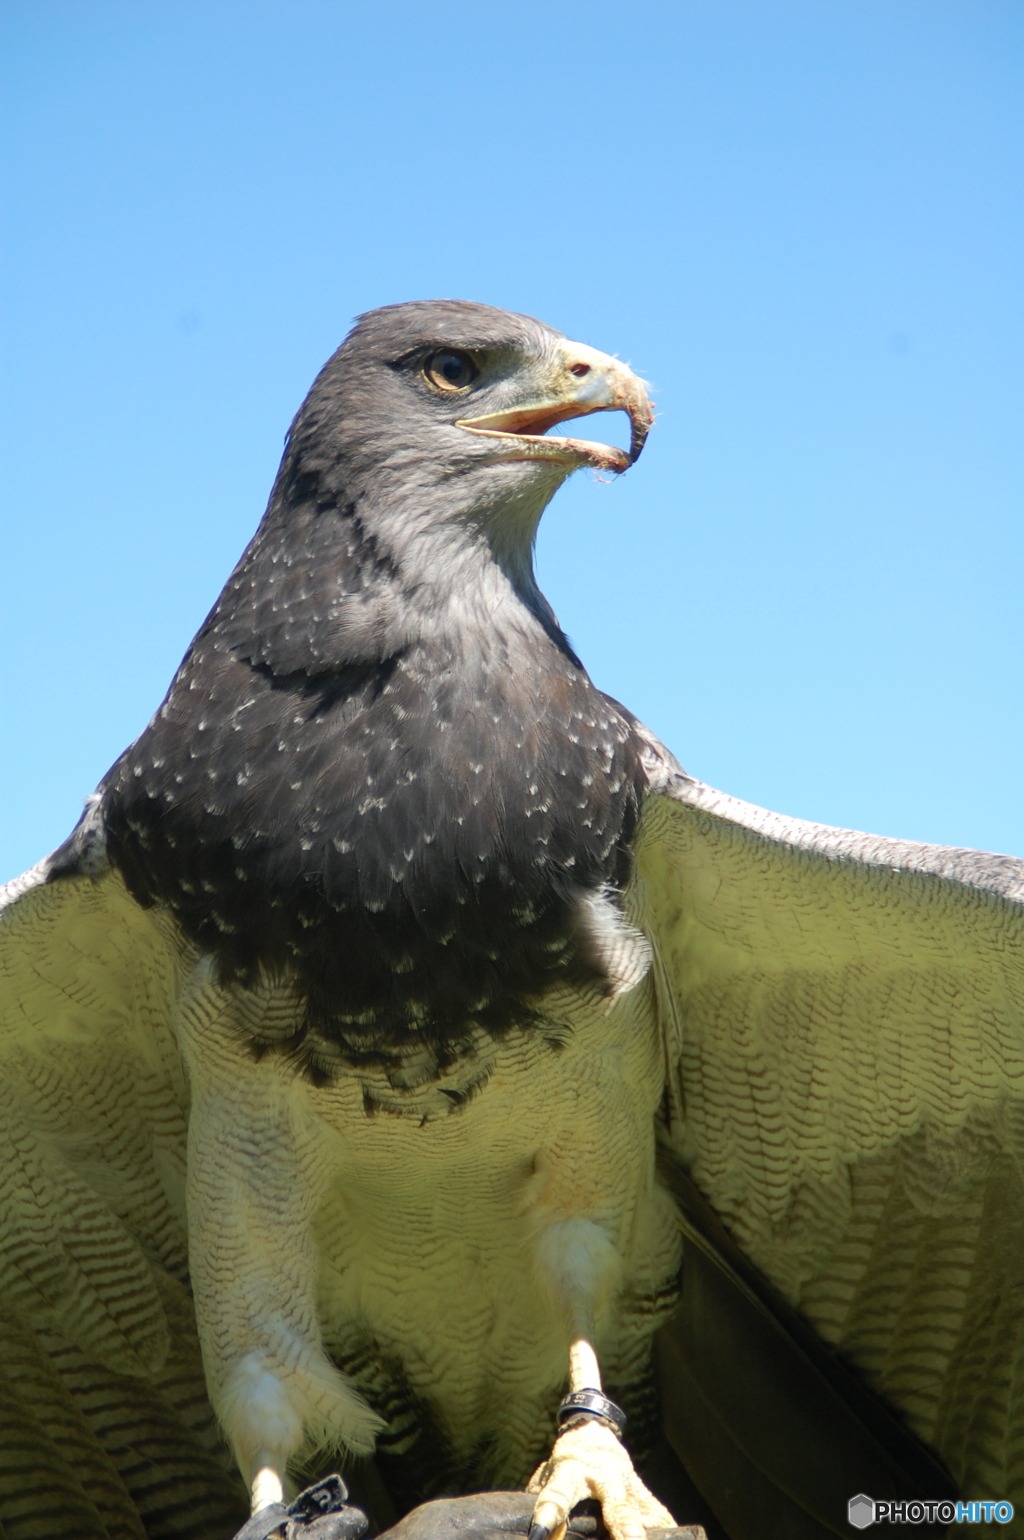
x,y
641,419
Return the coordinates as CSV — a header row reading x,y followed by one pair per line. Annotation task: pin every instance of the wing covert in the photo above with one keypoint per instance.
x,y
844,1027
110,1428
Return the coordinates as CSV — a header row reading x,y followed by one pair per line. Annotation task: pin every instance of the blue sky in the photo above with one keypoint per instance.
x,y
801,221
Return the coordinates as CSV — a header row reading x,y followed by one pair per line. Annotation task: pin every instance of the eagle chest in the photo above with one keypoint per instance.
x,y
409,843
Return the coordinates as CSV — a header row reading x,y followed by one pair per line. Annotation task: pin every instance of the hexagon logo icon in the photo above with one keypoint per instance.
x,y
861,1511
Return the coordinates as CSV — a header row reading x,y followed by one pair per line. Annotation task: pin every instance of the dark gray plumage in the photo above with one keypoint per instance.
x,y
381,769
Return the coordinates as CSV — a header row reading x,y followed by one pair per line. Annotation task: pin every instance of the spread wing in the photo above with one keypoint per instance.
x,y
105,1426
844,1025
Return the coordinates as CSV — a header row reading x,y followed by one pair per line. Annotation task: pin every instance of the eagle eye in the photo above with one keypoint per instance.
x,y
450,370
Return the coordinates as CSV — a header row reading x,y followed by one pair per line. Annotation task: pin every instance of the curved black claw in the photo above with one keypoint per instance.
x,y
321,1512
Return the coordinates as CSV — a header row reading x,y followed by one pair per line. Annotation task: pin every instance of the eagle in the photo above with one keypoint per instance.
x,y
406,1064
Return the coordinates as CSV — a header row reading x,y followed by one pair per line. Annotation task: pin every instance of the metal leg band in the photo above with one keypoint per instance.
x,y
582,1405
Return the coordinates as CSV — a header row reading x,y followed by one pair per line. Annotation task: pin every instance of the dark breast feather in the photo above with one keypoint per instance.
x,y
407,839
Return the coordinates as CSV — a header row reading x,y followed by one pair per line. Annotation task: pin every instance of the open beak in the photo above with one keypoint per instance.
x,y
583,381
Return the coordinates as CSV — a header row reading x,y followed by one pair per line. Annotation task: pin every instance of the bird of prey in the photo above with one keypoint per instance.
x,y
404,1054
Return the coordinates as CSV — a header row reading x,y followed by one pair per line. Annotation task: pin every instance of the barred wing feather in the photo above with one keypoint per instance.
x,y
107,1428
844,1027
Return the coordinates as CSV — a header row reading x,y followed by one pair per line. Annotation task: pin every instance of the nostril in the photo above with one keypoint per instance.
x,y
579,370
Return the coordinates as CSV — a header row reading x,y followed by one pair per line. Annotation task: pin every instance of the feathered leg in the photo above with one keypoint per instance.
x,y
581,1268
258,1165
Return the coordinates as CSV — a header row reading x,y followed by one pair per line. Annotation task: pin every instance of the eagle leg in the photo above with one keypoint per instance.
x,y
587,1461
258,1166
580,1268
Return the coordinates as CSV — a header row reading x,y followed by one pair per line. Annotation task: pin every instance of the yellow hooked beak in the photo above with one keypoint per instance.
x,y
582,381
